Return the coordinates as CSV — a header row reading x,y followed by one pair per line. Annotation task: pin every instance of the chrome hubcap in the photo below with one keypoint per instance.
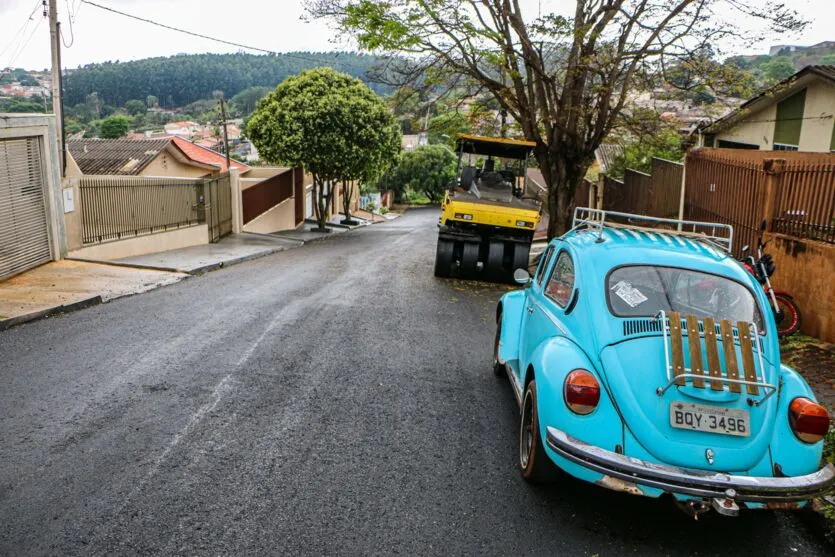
x,y
526,432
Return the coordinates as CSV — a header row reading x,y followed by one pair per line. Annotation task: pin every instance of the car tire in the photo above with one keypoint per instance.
x,y
534,463
498,367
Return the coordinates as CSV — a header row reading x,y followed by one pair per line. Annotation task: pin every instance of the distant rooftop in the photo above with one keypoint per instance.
x,y
115,156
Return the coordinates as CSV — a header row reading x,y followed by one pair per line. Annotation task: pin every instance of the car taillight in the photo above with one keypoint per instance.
x,y
809,420
581,392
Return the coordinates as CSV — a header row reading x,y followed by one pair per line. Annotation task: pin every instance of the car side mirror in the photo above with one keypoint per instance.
x,y
521,276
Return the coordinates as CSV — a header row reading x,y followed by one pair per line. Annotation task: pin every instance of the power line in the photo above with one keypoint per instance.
x,y
22,31
200,35
72,31
23,46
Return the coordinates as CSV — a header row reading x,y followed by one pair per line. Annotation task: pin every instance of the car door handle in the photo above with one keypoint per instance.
x,y
530,309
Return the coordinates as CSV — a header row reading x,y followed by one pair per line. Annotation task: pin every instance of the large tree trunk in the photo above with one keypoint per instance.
x,y
348,194
562,172
323,201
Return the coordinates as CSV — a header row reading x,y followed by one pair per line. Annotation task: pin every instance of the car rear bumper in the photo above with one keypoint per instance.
x,y
687,481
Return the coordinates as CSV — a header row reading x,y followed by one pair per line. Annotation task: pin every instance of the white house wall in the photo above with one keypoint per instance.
x,y
757,129
816,132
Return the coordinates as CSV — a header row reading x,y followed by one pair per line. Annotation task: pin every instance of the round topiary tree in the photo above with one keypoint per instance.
x,y
331,124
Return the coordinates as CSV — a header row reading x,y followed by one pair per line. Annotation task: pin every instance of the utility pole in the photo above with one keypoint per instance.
x,y
423,137
57,100
225,133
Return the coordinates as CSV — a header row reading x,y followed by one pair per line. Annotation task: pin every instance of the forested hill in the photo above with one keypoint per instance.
x,y
182,79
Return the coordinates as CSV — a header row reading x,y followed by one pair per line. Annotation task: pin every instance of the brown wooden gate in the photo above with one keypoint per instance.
x,y
217,206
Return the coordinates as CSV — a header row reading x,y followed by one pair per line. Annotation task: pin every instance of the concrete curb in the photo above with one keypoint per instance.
x,y
273,235
127,265
34,316
229,262
209,267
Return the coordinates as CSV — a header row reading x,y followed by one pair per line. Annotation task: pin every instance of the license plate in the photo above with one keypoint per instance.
x,y
712,419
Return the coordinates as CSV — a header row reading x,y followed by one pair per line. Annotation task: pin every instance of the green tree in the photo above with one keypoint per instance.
x,y
23,104
114,127
644,136
330,123
136,108
244,103
429,170
72,127
776,70
564,80
445,127
828,59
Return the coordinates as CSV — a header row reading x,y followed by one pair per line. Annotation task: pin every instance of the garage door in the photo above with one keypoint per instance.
x,y
24,240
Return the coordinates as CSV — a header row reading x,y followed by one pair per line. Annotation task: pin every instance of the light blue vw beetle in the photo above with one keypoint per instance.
x,y
646,360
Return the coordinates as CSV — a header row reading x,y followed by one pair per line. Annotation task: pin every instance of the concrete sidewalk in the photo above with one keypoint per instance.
x,y
230,250
63,286
304,234
72,284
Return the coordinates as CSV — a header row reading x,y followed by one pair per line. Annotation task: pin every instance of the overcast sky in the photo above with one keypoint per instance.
x,y
97,36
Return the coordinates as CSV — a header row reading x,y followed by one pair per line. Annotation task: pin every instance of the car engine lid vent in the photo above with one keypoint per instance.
x,y
641,326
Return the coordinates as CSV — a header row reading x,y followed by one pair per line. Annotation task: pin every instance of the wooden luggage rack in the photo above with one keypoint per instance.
x,y
702,333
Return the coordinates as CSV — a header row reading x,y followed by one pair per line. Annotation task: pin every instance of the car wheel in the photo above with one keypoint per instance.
x,y
498,367
534,463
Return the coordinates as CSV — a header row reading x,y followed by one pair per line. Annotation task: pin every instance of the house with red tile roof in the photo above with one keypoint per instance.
x,y
169,156
204,155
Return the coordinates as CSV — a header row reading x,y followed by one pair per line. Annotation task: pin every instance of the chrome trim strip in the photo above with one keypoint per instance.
x,y
688,481
550,317
514,382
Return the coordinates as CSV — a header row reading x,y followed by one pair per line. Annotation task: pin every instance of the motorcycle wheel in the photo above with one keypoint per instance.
x,y
788,317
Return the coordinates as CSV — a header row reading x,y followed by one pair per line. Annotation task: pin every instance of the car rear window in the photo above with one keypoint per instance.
x,y
644,290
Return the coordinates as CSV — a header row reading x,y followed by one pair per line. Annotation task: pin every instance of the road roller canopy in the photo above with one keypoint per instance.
x,y
494,146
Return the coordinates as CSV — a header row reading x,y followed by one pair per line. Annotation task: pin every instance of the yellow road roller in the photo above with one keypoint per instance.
x,y
487,222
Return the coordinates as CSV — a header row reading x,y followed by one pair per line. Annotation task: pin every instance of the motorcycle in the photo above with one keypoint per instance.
x,y
786,311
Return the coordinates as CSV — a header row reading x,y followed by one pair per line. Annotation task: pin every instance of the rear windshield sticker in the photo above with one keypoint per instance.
x,y
629,294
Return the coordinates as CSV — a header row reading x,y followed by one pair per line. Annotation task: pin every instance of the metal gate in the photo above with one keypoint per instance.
x,y
308,204
218,206
24,236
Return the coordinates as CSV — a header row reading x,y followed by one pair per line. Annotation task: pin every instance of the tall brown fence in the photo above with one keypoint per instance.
x,y
265,195
120,207
794,192
666,188
117,207
804,204
726,188
657,194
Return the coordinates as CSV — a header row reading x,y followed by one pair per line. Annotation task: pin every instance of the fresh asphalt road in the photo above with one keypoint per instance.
x,y
333,399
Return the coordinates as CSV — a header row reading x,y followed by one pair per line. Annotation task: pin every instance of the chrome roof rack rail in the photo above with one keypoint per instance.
x,y
717,234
